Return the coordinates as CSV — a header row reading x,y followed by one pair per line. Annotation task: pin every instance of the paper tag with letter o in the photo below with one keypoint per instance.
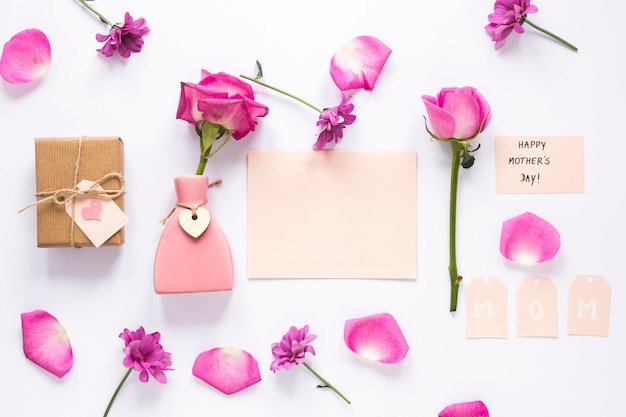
x,y
537,305
589,306
486,309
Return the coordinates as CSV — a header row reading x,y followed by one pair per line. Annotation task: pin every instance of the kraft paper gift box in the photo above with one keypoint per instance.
x,y
62,163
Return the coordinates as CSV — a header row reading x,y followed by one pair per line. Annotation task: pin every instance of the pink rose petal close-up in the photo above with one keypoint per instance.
x,y
46,342
529,239
468,409
358,63
25,57
376,338
227,369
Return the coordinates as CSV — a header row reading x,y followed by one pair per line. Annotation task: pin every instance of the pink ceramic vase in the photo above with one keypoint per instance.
x,y
187,264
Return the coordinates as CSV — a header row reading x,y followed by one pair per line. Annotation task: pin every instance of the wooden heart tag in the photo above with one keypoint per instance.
x,y
194,224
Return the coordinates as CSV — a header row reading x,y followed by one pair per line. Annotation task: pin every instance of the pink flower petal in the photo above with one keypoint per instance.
x,y
529,239
358,63
25,57
469,409
46,342
377,338
442,122
227,369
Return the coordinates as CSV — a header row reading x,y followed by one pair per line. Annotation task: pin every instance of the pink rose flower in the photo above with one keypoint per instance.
x,y
220,106
223,100
457,113
456,116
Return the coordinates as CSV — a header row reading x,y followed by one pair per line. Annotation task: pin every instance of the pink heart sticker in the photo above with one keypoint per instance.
x,y
93,211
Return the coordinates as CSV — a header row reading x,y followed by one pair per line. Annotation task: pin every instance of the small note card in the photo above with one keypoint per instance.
x,y
99,219
539,164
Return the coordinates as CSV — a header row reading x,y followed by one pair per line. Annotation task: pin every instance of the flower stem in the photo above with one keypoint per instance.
x,y
117,390
317,109
455,278
326,383
552,35
94,11
201,166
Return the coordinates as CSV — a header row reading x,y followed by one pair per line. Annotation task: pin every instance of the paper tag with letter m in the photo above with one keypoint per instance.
x,y
589,306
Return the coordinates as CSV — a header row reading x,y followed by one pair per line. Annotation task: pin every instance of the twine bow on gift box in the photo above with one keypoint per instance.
x,y
63,196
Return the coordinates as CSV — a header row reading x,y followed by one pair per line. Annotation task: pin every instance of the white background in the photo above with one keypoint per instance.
x,y
535,87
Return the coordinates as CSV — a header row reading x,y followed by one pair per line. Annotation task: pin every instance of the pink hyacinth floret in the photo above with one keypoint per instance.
x,y
332,121
468,409
529,239
145,355
25,57
292,348
124,39
376,338
358,63
227,369
506,17
46,342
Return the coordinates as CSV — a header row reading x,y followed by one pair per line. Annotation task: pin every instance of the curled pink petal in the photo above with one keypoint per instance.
x,y
469,409
377,338
358,63
46,342
25,57
227,369
529,239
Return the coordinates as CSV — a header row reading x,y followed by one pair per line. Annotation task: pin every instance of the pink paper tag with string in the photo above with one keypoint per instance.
x,y
486,309
537,305
589,305
98,218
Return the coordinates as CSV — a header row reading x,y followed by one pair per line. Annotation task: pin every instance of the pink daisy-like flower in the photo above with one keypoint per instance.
x,y
377,338
468,409
227,369
332,121
529,239
292,348
46,342
358,63
508,15
145,355
124,39
25,57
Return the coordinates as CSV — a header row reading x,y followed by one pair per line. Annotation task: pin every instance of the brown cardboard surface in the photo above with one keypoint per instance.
x,y
58,166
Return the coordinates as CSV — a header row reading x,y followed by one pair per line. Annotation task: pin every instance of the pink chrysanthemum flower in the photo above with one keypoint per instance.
x,y
332,121
124,39
145,355
508,15
292,348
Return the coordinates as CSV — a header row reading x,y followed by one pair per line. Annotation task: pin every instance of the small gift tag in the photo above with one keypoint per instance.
x,y
486,309
99,219
194,222
589,305
537,301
